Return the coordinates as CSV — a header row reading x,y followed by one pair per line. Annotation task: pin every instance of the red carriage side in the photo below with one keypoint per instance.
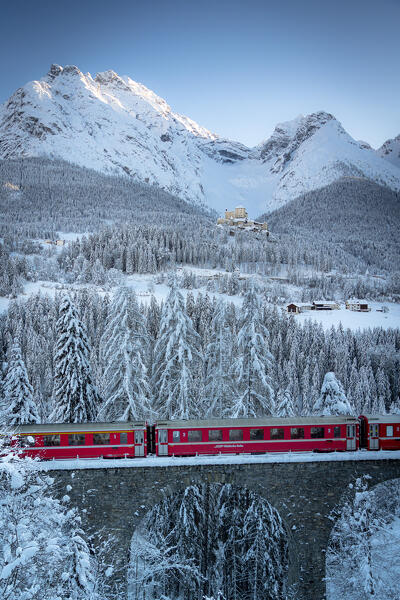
x,y
256,436
82,440
380,432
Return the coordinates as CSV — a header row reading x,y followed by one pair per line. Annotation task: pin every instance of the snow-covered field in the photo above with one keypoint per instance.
x,y
145,286
156,461
355,320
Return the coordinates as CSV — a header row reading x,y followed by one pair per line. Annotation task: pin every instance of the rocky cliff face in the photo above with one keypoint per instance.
x,y
116,125
390,151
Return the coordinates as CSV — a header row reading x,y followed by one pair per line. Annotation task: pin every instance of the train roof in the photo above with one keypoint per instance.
x,y
382,418
258,422
75,427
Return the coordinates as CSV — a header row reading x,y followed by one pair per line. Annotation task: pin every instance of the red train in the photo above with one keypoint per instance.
x,y
215,436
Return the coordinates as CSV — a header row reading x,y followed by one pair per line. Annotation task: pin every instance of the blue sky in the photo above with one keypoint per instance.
x,y
237,68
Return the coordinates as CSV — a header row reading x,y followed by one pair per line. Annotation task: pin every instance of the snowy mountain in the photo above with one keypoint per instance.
x,y
117,126
390,150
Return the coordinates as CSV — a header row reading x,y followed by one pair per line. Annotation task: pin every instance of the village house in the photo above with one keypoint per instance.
x,y
325,305
357,305
298,307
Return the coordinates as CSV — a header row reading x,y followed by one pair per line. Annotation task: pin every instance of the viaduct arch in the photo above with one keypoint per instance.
x,y
115,500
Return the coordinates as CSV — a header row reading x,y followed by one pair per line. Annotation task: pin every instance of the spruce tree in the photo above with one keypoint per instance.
x,y
255,396
218,384
332,400
284,404
18,404
125,384
177,361
75,396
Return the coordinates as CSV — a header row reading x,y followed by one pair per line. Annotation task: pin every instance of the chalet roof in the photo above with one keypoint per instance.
x,y
74,427
383,418
300,304
357,301
326,302
257,422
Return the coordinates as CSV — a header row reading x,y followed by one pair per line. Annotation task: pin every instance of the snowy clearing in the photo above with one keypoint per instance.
x,y
155,461
145,286
355,320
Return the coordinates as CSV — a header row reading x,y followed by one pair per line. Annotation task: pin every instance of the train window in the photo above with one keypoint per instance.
x,y
194,436
176,436
336,431
389,430
317,432
256,434
297,433
76,439
276,433
100,439
51,440
123,437
235,435
26,441
215,435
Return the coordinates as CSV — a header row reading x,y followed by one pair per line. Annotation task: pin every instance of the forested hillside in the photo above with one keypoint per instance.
x,y
39,197
352,221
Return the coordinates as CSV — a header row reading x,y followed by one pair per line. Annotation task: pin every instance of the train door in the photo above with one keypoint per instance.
x,y
351,437
163,442
139,442
374,436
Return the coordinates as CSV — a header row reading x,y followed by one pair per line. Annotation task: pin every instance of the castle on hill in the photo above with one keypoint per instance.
x,y
239,218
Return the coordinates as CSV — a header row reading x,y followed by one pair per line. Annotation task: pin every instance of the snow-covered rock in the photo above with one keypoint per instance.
x,y
390,150
116,125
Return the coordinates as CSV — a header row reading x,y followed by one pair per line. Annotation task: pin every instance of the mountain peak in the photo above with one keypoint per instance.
x,y
116,125
110,76
54,70
390,151
289,136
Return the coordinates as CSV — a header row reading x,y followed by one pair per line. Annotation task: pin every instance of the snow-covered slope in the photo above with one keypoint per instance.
x,y
115,125
390,150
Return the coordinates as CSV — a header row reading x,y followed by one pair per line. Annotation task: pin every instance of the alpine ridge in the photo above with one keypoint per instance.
x,y
117,126
390,150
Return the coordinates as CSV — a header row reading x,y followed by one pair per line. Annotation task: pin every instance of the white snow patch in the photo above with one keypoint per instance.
x,y
156,461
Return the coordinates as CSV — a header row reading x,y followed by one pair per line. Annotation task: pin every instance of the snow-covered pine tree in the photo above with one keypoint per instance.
x,y
75,396
284,403
176,361
125,386
332,399
18,404
350,569
79,564
43,552
255,396
218,382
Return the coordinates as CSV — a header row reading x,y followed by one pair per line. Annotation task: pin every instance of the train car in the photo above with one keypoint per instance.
x,y
256,436
82,440
380,432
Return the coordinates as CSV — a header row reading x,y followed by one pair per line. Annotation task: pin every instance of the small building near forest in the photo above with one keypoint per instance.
x,y
357,305
298,307
325,305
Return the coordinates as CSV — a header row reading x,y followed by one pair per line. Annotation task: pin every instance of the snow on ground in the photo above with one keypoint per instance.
x,y
272,457
145,286
355,320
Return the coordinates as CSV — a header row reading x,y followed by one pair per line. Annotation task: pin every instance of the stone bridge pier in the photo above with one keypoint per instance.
x,y
113,501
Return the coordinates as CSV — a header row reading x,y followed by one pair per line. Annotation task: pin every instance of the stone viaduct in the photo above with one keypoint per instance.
x,y
114,500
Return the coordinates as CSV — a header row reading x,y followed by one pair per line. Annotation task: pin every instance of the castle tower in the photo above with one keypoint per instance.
x,y
240,212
